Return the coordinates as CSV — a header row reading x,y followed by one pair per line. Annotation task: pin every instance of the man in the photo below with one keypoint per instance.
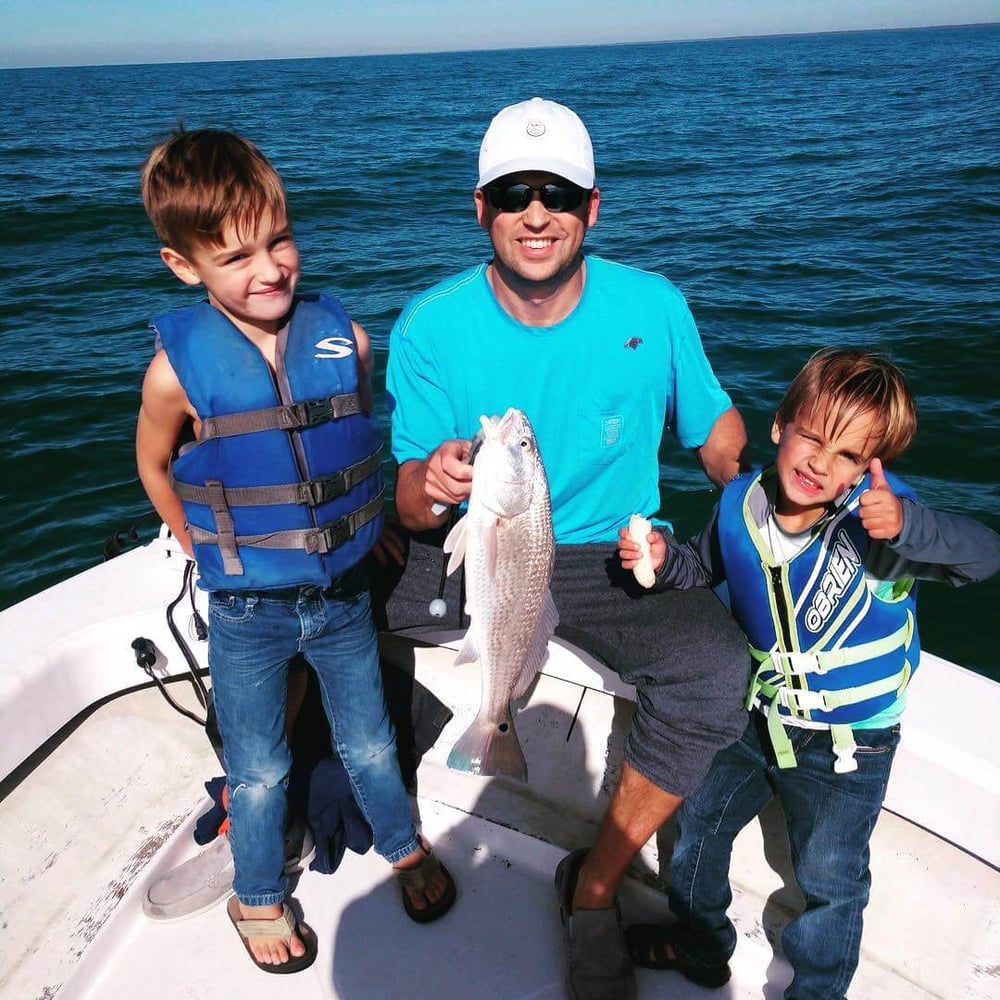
x,y
600,357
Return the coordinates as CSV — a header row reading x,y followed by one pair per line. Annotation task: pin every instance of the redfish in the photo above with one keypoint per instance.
x,y
505,540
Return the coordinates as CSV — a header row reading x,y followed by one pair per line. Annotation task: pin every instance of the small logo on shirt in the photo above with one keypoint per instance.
x,y
633,343
334,347
611,430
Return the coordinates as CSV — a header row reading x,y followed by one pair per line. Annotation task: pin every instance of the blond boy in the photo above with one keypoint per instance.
x,y
821,553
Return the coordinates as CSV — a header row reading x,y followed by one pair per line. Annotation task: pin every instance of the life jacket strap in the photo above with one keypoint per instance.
x,y
823,661
844,745
314,541
790,665
295,416
783,752
311,493
809,701
225,528
804,701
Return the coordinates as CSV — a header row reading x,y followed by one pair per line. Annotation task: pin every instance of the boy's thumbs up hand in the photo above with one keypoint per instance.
x,y
877,473
881,511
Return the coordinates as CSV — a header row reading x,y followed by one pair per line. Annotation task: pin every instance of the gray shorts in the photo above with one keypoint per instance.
x,y
682,651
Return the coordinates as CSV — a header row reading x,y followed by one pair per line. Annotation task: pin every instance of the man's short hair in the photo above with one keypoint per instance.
x,y
197,182
849,382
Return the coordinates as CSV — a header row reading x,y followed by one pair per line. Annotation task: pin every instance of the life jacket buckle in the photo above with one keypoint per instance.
x,y
319,491
310,493
844,760
331,487
804,663
795,662
310,412
329,538
803,701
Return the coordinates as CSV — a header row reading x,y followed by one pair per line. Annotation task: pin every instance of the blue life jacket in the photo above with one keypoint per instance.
x,y
284,485
829,649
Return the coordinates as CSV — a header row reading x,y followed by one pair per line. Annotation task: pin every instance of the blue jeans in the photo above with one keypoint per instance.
x,y
252,638
829,817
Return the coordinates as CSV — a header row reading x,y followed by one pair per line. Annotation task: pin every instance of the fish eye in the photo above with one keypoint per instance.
x,y
524,442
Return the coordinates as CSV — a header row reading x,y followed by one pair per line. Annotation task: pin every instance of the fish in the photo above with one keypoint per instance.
x,y
506,543
638,528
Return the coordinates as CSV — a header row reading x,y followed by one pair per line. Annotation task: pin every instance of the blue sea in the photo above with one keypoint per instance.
x,y
799,190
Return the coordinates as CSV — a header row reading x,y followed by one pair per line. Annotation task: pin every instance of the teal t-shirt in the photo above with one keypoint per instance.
x,y
598,387
885,719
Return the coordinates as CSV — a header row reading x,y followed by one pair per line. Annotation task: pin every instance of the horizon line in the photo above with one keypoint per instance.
x,y
506,48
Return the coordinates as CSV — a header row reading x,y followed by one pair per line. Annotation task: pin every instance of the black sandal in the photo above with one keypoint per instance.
x,y
649,944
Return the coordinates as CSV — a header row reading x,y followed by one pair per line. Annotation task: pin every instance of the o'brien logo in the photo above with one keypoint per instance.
x,y
535,128
844,563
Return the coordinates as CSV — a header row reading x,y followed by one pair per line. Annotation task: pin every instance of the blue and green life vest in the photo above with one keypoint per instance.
x,y
828,648
283,486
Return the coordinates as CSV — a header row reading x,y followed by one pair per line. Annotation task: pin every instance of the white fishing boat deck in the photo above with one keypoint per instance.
x,y
109,804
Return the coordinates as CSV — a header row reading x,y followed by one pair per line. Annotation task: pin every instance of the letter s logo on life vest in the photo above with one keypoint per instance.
x,y
334,347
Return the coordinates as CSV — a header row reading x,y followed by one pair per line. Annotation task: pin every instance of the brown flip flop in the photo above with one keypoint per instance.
x,y
283,927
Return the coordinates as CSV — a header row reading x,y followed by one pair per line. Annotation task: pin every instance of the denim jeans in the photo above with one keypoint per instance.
x,y
829,817
252,638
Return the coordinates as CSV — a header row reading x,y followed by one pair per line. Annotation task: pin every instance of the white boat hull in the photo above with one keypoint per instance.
x,y
102,810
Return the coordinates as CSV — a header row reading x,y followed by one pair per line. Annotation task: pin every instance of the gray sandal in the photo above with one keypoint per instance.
x,y
597,964
416,879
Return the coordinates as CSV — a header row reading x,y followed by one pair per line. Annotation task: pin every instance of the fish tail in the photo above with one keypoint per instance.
x,y
489,748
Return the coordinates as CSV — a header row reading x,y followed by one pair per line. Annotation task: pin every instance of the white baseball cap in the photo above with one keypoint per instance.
x,y
537,135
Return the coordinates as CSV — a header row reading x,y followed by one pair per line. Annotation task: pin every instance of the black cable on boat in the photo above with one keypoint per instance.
x,y
145,650
145,657
201,630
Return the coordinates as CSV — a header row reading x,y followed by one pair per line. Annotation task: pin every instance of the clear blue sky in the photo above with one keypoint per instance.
x,y
71,32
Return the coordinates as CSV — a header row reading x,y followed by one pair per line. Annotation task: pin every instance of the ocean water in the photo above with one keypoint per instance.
x,y
800,191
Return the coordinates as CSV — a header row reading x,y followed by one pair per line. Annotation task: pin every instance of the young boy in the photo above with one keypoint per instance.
x,y
821,552
257,446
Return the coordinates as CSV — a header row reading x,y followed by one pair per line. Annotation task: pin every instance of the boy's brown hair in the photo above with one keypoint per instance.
x,y
849,382
196,182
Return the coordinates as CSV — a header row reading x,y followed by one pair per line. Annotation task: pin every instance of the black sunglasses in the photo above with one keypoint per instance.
x,y
517,197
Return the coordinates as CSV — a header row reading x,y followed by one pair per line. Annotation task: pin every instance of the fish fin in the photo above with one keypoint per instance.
x,y
469,652
538,648
488,530
455,543
489,749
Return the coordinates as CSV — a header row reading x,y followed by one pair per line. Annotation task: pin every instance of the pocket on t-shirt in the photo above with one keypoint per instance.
x,y
604,436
